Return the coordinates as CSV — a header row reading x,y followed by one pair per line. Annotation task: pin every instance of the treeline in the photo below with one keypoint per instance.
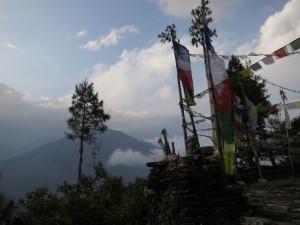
x,y
99,200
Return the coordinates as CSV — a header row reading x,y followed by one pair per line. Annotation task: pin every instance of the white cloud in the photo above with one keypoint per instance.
x,y
23,119
165,92
11,46
133,158
110,39
133,82
81,33
280,28
180,8
140,90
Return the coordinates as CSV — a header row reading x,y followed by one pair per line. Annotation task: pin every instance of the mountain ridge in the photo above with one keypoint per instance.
x,y
57,161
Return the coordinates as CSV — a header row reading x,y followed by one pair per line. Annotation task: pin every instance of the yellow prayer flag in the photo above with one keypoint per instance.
x,y
228,155
245,73
297,104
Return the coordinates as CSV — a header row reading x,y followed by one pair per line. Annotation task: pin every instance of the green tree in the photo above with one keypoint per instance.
x,y
7,210
99,200
295,124
201,19
134,205
272,147
40,207
254,88
88,117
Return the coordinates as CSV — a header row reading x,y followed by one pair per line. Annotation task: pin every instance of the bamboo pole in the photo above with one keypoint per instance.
x,y
215,121
252,138
283,97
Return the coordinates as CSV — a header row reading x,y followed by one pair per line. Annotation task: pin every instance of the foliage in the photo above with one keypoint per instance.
x,y
41,208
278,135
88,117
254,88
169,35
201,19
295,124
7,210
99,200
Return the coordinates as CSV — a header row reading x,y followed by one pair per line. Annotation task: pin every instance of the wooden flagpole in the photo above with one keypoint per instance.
x,y
251,137
215,122
180,98
283,97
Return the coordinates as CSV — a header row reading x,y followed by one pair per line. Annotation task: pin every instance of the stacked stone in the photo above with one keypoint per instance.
x,y
192,190
274,202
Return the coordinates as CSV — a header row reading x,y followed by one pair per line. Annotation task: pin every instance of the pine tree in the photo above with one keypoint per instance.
x,y
88,118
254,88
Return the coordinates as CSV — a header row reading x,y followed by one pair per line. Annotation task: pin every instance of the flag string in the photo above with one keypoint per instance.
x,y
281,87
290,49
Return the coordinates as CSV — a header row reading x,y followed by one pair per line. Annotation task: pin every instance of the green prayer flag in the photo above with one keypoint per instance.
x,y
263,108
225,127
295,44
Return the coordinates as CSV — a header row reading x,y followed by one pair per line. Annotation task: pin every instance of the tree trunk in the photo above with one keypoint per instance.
x,y
81,147
80,158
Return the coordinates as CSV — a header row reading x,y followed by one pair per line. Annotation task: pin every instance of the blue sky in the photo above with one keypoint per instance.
x,y
46,47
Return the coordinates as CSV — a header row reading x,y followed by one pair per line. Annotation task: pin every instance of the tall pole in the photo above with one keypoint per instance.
x,y
215,120
283,97
235,145
180,98
252,138
194,131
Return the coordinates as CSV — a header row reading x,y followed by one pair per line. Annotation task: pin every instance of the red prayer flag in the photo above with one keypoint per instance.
x,y
185,71
281,53
223,97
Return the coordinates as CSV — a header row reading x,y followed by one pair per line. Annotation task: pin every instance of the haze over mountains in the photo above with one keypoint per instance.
x,y
57,161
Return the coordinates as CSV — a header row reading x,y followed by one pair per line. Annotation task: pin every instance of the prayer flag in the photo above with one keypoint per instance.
x,y
295,44
281,53
297,104
245,73
185,72
255,66
238,127
272,108
252,113
228,155
201,94
223,99
226,57
253,54
238,122
218,69
268,60
223,104
207,39
287,118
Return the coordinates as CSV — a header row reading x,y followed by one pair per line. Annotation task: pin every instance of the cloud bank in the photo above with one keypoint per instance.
x,y
110,39
179,8
81,33
10,46
23,119
131,158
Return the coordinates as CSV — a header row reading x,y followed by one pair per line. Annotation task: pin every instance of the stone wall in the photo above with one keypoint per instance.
x,y
192,190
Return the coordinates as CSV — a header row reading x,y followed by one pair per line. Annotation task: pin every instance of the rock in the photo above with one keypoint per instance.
x,y
193,191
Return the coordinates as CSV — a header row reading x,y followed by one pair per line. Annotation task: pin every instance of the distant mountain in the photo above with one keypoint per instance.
x,y
8,152
58,161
